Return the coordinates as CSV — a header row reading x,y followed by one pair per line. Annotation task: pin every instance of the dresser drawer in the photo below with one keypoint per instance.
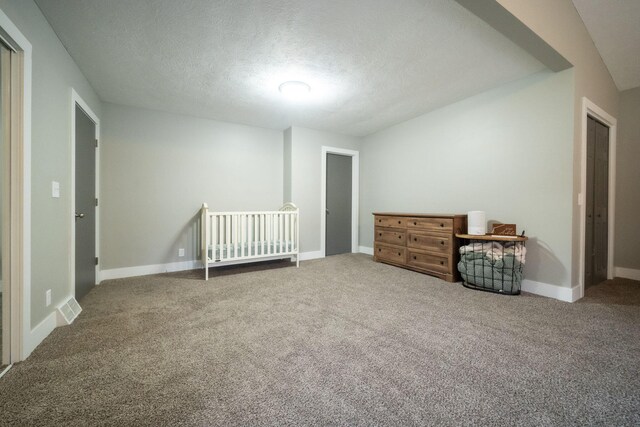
x,y
391,221
388,253
429,242
432,224
428,261
394,237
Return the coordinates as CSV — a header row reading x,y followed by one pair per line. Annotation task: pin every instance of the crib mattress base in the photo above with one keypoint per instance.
x,y
247,260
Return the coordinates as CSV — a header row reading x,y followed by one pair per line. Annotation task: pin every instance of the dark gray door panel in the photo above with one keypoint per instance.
x,y
85,213
338,214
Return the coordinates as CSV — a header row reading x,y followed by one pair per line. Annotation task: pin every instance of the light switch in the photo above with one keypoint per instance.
x,y
55,189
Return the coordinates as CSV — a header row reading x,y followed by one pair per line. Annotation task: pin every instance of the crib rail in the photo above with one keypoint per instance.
x,y
233,237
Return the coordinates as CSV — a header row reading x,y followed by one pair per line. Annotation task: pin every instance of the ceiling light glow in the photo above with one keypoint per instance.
x,y
295,90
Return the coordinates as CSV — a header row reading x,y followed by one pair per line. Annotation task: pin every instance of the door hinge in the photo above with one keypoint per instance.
x,y
96,260
96,143
96,202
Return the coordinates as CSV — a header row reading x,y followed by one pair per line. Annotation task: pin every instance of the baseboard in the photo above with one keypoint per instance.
x,y
38,334
5,370
627,273
551,291
366,250
306,256
145,270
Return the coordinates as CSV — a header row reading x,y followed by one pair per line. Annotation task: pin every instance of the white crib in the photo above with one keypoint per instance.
x,y
240,237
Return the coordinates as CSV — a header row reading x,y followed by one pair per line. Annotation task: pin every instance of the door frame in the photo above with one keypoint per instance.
x,y
355,186
77,100
22,338
590,109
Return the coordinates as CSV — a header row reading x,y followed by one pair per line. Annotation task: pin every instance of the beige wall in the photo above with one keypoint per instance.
x,y
306,154
627,251
158,168
505,152
560,25
54,74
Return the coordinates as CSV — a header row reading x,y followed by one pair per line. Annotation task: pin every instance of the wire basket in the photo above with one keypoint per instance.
x,y
493,266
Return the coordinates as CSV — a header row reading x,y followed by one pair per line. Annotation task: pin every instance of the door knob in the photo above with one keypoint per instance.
x,y
327,210
79,215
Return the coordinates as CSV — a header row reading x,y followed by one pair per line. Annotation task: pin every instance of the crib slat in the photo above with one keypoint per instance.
x,y
294,221
227,240
269,221
274,235
280,231
220,235
254,243
294,227
214,235
250,234
286,231
256,234
290,237
234,234
224,238
262,233
243,220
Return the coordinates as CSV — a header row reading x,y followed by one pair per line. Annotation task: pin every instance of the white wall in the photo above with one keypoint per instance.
x,y
158,168
559,24
287,165
507,151
306,158
627,251
54,74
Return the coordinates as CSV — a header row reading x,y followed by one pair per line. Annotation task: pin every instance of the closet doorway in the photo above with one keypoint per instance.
x,y
597,198
597,203
10,105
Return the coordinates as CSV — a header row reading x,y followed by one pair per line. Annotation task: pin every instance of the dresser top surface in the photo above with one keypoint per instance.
x,y
420,215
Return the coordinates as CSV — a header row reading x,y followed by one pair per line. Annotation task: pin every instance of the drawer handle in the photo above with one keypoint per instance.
x,y
380,234
414,257
399,237
398,253
399,222
379,250
415,223
442,242
379,220
415,239
441,225
441,262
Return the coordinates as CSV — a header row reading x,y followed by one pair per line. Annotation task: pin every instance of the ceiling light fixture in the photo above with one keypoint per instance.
x,y
294,90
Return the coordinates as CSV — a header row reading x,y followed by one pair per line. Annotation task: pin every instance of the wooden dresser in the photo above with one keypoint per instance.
x,y
420,242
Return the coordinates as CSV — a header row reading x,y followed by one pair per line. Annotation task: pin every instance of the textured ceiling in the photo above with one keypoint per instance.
x,y
614,27
371,64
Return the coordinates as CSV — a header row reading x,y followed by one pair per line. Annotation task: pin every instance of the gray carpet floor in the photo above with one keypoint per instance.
x,y
339,341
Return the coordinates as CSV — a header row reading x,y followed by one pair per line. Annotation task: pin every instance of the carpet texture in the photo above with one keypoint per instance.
x,y
339,341
616,291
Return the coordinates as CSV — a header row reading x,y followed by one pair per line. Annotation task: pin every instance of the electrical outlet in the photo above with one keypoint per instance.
x,y
47,298
181,252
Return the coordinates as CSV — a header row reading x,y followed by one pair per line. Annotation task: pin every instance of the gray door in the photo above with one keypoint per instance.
x,y
85,204
338,230
597,203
